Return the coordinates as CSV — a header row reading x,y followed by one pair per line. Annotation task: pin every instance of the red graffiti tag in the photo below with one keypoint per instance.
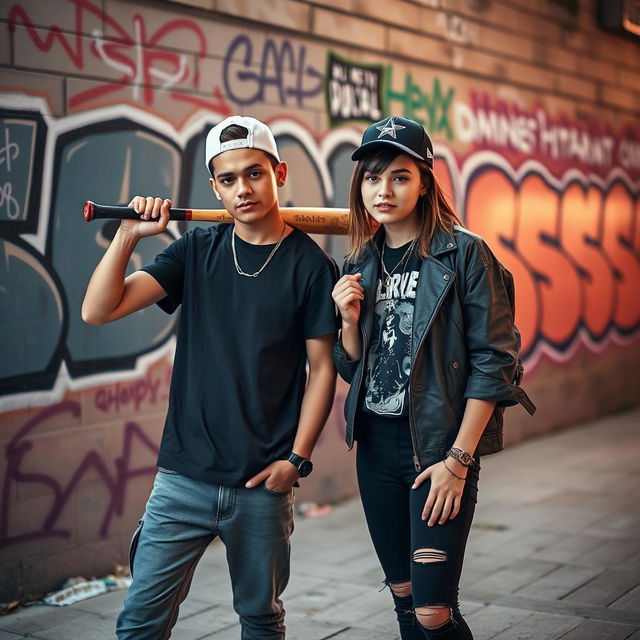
x,y
145,67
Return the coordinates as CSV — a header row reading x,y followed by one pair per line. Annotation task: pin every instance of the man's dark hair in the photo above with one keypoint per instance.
x,y
238,132
233,132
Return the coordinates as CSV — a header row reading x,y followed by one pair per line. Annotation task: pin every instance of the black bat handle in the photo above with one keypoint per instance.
x,y
93,211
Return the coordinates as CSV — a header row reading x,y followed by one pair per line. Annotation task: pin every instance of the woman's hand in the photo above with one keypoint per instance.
x,y
445,494
154,217
347,294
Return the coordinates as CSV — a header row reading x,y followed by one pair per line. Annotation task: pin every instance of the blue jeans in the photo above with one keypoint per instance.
x,y
181,518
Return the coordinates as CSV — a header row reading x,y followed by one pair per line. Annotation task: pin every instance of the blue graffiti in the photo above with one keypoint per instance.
x,y
105,164
282,67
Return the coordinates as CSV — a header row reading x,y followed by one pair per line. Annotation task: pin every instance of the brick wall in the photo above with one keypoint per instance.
x,y
535,115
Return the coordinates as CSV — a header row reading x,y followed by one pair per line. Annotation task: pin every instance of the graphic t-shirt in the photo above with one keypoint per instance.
x,y
239,369
389,358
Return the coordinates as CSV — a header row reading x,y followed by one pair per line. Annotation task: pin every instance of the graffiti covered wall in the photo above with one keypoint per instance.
x,y
103,100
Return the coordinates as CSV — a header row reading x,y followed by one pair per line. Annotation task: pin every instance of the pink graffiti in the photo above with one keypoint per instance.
x,y
17,471
136,55
490,123
129,394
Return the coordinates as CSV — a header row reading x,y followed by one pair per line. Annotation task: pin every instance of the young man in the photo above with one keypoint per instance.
x,y
242,423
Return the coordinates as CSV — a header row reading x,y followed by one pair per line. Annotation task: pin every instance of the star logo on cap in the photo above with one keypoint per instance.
x,y
389,128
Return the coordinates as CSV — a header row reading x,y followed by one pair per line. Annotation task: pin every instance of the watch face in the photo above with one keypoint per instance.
x,y
305,468
463,457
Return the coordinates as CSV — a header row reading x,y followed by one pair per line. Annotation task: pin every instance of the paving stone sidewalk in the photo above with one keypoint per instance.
x,y
554,553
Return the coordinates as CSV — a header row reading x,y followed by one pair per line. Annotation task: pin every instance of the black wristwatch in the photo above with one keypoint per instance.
x,y
303,465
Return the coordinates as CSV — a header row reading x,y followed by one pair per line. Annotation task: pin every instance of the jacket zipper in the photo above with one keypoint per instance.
x,y
352,417
416,459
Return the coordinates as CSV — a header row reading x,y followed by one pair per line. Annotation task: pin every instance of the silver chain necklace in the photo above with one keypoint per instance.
x,y
261,269
388,274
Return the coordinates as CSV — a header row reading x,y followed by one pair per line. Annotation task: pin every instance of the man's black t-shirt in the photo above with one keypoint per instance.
x,y
239,370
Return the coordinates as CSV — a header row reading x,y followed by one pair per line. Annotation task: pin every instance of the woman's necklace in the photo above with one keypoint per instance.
x,y
261,269
388,274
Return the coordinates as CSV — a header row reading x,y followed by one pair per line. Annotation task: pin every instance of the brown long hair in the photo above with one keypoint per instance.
x,y
434,209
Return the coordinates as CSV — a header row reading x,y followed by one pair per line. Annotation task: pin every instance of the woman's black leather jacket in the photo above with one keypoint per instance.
x,y
464,343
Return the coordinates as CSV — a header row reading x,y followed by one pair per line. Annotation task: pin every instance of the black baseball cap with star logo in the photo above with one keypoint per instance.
x,y
407,135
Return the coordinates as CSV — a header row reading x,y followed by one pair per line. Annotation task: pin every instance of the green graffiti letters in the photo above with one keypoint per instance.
x,y
429,109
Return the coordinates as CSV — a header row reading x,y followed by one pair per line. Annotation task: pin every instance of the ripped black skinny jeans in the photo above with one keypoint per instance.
x,y
393,512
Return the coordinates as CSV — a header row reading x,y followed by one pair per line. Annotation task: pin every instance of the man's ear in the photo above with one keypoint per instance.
x,y
212,182
281,171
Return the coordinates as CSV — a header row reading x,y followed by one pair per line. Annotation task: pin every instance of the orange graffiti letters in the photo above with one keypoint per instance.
x,y
573,251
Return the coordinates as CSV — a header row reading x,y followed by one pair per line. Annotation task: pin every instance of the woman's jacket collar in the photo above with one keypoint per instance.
x,y
441,242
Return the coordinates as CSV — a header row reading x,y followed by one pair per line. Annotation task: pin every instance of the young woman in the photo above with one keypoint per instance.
x,y
430,349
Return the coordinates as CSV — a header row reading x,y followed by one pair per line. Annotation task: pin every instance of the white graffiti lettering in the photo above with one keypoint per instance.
x,y
533,133
135,71
569,143
495,128
629,152
9,152
353,101
7,200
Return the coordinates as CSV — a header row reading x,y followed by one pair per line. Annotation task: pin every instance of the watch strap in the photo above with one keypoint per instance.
x,y
296,460
462,456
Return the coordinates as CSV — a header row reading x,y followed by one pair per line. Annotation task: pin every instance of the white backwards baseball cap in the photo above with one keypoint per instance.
x,y
259,136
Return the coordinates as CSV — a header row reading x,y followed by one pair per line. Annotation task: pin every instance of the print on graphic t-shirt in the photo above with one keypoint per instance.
x,y
389,362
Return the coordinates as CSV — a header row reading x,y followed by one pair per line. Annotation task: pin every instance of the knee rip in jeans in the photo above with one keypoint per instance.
x,y
427,556
401,589
433,617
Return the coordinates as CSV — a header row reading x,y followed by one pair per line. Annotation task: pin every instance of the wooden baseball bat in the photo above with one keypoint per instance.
x,y
307,219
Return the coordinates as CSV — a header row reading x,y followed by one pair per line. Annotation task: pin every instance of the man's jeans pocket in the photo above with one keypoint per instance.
x,y
133,547
272,492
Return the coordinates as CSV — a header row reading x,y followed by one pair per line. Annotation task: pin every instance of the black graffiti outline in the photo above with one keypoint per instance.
x,y
78,368
30,217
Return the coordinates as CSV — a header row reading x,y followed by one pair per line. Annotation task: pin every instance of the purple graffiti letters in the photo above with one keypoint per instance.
x,y
116,483
275,67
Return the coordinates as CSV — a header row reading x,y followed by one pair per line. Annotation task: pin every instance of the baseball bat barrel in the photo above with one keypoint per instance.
x,y
307,219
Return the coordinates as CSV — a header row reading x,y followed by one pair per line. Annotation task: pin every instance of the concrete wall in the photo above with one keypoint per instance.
x,y
535,112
